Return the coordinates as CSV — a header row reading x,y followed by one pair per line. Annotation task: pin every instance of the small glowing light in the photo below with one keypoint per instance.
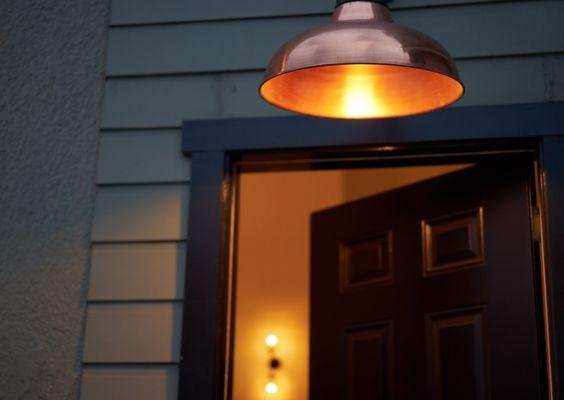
x,y
360,97
271,388
271,340
359,102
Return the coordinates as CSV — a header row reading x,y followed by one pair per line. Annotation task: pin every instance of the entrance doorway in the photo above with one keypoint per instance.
x,y
415,280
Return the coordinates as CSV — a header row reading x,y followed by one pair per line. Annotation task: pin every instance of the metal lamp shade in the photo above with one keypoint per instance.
x,y
361,65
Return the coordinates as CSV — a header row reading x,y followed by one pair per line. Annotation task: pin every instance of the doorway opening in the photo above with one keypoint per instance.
x,y
403,279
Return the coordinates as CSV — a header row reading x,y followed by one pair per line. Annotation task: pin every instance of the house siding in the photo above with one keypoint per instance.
x,y
174,60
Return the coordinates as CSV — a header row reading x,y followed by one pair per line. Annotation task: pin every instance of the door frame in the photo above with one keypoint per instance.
x,y
221,149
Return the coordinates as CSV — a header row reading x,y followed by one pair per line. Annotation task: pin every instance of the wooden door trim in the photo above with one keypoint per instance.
x,y
221,149
550,198
480,122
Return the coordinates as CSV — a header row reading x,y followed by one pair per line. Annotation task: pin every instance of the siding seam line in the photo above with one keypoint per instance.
x,y
103,184
135,301
300,15
210,73
135,241
128,364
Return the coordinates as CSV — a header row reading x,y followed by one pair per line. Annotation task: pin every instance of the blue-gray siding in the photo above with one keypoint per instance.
x,y
468,31
127,12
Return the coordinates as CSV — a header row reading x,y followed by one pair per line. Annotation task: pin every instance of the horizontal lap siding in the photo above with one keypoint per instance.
x,y
141,213
140,271
160,74
131,102
467,32
136,287
110,382
151,11
133,333
160,102
140,157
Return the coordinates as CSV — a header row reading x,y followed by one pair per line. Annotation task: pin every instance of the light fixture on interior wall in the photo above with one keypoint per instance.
x,y
361,65
273,364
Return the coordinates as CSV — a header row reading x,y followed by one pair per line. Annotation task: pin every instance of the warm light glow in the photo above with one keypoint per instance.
x,y
271,388
358,91
360,99
271,340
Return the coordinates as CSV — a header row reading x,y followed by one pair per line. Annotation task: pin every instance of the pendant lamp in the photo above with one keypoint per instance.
x,y
361,65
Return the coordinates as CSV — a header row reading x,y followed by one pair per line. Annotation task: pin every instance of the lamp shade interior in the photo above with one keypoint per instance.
x,y
359,91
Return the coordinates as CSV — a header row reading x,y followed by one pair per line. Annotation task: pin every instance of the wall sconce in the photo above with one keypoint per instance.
x,y
273,364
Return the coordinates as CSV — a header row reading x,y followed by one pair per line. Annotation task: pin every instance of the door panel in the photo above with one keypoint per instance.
x,y
369,362
456,355
427,292
453,242
366,261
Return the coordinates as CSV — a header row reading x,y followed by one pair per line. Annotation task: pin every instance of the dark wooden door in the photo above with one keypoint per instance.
x,y
427,292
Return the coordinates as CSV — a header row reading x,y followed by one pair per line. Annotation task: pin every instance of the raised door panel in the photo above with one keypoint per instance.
x,y
369,363
456,355
453,242
366,261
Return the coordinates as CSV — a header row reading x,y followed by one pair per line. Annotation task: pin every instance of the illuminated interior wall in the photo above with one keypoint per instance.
x,y
273,266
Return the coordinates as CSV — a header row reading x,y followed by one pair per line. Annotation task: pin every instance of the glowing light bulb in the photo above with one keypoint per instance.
x,y
271,340
360,96
271,388
359,102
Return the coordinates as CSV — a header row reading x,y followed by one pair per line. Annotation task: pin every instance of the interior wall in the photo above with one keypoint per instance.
x,y
272,289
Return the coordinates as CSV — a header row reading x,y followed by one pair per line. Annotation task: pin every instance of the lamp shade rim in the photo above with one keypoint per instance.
x,y
454,78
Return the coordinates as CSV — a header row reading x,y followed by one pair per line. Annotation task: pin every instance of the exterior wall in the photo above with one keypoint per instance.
x,y
52,67
185,59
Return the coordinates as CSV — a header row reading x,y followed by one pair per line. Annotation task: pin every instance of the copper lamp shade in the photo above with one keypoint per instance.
x,y
361,65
